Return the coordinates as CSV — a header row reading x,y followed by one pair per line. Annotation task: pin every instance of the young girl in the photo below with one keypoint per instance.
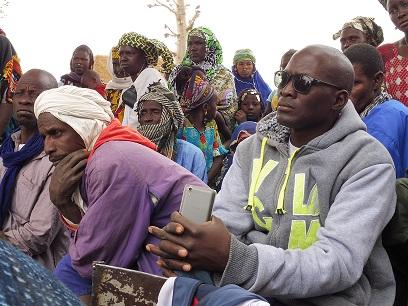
x,y
199,103
250,106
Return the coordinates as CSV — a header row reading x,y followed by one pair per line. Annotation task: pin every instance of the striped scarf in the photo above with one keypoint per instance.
x,y
164,133
380,99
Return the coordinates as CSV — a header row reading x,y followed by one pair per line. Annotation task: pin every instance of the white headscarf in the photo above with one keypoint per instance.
x,y
82,109
116,83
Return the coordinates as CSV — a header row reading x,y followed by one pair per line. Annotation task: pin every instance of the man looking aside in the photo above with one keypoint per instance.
x,y
300,213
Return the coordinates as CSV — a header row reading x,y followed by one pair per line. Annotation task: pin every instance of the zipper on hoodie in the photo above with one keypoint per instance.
x,y
280,208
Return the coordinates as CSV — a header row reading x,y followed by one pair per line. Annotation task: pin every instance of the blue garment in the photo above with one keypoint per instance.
x,y
256,82
24,282
71,278
14,161
191,158
185,289
388,123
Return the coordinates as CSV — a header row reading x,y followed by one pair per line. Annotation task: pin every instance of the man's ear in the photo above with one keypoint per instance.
x,y
342,96
378,80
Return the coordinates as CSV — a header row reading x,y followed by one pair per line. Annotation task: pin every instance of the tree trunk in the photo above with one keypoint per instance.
x,y
181,31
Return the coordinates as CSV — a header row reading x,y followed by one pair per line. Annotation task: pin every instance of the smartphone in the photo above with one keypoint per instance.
x,y
197,203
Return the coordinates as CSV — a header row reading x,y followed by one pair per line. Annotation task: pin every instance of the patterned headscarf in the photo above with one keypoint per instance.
x,y
371,30
10,70
164,133
166,56
138,41
244,55
198,91
213,54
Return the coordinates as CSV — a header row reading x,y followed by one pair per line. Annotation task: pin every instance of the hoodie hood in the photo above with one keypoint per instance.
x,y
278,135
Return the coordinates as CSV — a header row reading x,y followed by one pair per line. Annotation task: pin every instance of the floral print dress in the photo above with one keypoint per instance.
x,y
208,141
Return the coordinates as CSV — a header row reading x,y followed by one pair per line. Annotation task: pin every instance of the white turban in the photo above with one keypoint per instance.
x,y
83,109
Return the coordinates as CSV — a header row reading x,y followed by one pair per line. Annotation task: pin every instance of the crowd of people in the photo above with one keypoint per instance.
x,y
312,178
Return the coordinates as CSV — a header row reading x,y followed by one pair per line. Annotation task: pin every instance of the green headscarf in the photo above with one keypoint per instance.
x,y
213,54
244,55
166,56
138,41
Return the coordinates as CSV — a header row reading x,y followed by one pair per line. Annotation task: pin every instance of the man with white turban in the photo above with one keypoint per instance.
x,y
106,184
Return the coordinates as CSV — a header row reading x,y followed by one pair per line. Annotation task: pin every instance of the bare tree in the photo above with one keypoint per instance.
x,y
178,8
3,5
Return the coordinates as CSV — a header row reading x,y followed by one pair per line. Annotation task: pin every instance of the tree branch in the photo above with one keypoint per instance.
x,y
171,31
159,3
194,18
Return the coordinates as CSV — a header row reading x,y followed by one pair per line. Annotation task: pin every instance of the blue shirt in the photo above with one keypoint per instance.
x,y
191,158
388,123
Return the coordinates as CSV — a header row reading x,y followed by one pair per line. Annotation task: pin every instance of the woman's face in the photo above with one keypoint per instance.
x,y
245,68
398,11
251,106
350,36
196,49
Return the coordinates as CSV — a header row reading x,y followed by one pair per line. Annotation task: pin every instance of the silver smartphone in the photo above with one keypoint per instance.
x,y
197,203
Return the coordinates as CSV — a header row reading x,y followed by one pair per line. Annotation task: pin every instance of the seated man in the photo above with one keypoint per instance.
x,y
29,220
386,118
110,200
304,202
160,117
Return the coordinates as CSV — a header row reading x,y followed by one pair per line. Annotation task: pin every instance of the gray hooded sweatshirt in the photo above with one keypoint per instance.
x,y
306,228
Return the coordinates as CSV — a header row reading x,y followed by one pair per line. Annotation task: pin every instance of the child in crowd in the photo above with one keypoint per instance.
x,y
241,132
250,106
91,79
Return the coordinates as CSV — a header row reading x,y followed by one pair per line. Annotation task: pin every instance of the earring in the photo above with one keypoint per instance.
x,y
205,118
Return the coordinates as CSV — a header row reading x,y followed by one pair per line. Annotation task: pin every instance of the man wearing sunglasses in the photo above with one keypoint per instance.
x,y
300,213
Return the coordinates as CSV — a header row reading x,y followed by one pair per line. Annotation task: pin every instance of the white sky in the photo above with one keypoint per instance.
x,y
45,32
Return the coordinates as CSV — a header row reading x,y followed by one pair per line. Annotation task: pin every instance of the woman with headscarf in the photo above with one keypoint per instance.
x,y
117,85
10,73
160,117
198,102
138,57
246,75
395,55
204,50
360,30
105,184
82,59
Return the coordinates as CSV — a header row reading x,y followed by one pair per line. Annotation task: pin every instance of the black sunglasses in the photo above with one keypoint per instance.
x,y
302,83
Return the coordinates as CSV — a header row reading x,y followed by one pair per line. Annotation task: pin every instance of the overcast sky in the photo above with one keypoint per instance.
x,y
45,32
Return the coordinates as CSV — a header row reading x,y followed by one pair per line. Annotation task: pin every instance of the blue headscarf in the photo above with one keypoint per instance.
x,y
255,81
14,161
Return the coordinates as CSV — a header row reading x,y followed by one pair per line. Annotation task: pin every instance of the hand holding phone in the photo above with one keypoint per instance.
x,y
197,203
